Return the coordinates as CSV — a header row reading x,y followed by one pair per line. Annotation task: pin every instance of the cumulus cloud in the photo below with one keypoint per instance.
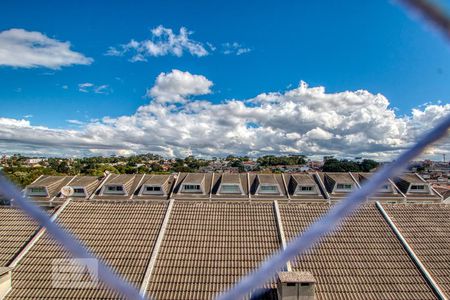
x,y
234,48
30,49
164,41
176,86
88,87
303,119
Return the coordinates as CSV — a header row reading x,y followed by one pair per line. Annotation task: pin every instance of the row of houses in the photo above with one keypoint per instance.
x,y
198,249
305,187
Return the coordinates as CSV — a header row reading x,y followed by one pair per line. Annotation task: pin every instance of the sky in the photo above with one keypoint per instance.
x,y
210,78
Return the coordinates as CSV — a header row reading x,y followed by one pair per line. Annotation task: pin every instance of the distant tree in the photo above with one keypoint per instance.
x,y
367,165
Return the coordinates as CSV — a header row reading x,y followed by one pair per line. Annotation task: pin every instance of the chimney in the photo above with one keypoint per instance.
x,y
5,281
296,286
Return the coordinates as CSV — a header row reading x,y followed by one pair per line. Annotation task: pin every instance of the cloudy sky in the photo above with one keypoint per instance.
x,y
354,78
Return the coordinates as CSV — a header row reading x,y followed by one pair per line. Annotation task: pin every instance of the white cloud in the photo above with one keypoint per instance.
x,y
234,48
30,49
164,41
176,86
89,87
304,120
75,122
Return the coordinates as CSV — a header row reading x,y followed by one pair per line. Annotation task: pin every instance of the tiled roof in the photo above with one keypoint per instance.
x,y
340,177
363,260
15,230
238,179
129,181
426,229
207,247
411,178
204,179
122,234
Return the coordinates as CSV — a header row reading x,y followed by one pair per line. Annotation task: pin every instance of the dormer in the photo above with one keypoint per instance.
x,y
267,184
155,185
193,184
230,184
421,188
117,185
339,183
45,186
303,184
83,186
411,183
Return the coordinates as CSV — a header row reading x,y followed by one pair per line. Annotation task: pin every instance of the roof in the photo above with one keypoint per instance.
x,y
363,260
340,177
120,179
204,179
16,229
270,179
230,179
266,179
124,243
296,277
426,229
155,179
196,178
46,181
226,178
208,246
303,179
411,178
84,181
129,181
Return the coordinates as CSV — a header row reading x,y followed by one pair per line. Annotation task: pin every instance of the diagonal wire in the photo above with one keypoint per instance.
x,y
432,12
332,218
68,241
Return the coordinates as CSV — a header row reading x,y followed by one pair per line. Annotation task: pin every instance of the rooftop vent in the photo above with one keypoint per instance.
x,y
296,286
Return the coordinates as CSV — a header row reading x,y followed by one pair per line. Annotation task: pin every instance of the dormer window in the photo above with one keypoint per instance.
x,y
343,187
417,187
152,190
114,189
37,191
305,189
78,192
268,189
230,189
191,188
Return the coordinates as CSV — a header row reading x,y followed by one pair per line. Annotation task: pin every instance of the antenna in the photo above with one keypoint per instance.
x,y
67,191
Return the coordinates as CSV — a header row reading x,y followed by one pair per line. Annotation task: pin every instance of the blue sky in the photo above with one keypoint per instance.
x,y
342,46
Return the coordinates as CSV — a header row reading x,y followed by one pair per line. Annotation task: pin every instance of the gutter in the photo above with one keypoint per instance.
x,y
434,286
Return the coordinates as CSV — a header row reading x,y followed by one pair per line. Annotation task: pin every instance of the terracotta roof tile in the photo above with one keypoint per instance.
x,y
122,234
426,229
15,230
208,246
363,260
